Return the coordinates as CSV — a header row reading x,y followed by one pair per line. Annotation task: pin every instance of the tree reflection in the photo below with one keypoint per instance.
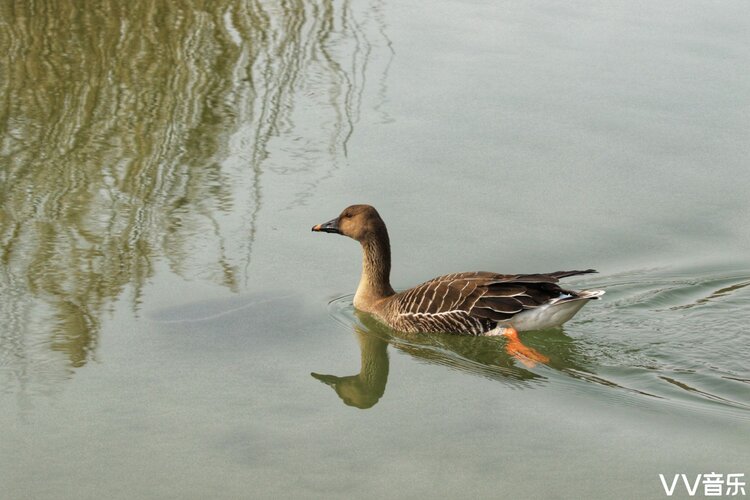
x,y
130,130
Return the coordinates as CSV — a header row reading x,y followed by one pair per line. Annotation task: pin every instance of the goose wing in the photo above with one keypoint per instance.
x,y
474,302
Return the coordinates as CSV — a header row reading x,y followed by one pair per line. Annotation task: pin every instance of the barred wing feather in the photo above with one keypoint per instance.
x,y
474,302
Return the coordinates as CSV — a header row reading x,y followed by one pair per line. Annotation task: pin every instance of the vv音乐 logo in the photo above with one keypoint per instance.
x,y
714,485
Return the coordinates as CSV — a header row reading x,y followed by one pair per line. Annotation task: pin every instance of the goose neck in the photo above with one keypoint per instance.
x,y
374,284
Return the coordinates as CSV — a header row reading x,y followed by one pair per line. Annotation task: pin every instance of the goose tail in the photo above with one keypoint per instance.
x,y
565,274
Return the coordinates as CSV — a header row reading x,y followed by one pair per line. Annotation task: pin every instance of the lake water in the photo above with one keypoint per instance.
x,y
170,327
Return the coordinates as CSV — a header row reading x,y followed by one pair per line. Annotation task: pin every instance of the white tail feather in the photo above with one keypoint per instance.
x,y
555,312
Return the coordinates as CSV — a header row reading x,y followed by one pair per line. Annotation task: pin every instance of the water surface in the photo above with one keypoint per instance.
x,y
169,327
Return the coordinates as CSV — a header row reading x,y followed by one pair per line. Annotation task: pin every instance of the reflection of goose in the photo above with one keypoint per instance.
x,y
474,303
482,357
364,389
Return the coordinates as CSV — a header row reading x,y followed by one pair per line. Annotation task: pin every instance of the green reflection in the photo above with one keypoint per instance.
x,y
131,130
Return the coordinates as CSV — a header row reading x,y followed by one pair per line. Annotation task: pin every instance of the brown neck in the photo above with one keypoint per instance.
x,y
374,363
374,284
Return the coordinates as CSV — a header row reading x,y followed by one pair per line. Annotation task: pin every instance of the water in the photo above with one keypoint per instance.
x,y
171,328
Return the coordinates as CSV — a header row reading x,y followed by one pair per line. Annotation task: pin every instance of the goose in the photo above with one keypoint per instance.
x,y
470,303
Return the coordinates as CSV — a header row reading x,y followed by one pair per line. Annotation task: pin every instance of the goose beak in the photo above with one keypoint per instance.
x,y
332,226
329,380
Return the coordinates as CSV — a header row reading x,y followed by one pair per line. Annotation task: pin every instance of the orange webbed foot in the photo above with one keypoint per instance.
x,y
528,356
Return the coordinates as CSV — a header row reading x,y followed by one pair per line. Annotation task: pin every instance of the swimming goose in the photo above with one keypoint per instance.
x,y
473,303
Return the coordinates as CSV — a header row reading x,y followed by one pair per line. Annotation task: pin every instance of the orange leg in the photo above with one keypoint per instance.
x,y
526,355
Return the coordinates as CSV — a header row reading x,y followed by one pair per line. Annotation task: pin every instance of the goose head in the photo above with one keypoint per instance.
x,y
359,222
